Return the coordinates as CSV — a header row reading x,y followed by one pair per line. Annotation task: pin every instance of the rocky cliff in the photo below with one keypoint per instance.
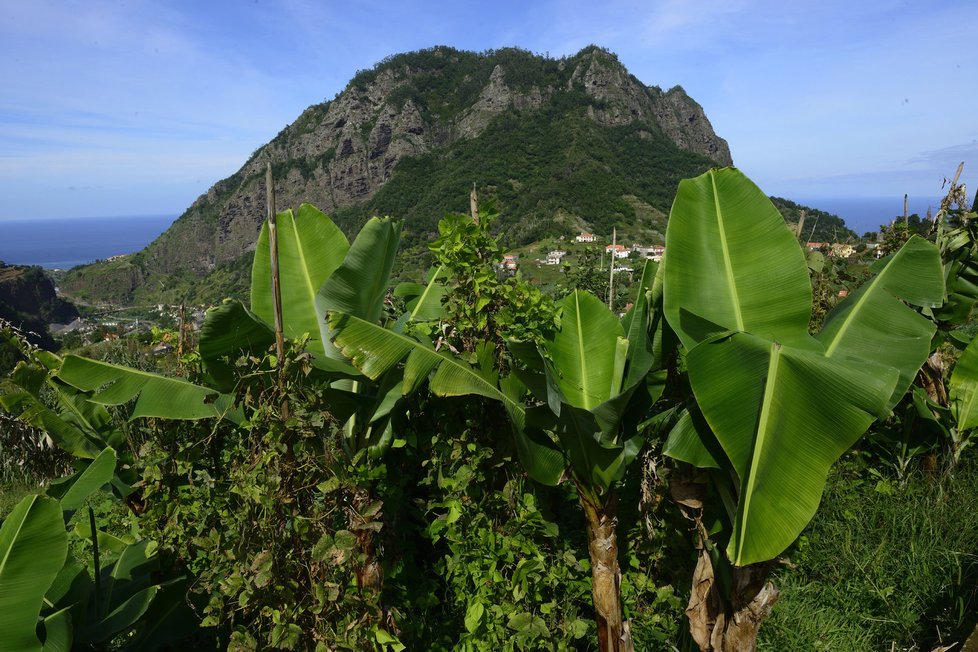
x,y
436,121
29,302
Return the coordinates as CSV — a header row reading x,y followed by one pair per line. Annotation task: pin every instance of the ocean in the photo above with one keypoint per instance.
x,y
63,243
863,214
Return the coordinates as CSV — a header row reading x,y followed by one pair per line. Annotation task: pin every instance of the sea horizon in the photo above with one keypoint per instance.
x,y
66,242
867,214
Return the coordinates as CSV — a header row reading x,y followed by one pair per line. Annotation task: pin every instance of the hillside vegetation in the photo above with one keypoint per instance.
x,y
562,144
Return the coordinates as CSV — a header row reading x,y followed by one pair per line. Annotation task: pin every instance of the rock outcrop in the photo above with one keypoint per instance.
x,y
340,153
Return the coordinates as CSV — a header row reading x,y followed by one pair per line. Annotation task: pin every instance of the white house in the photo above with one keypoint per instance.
x,y
554,257
585,237
619,251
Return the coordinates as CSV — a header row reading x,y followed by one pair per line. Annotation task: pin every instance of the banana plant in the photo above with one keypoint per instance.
x,y
592,386
941,406
52,603
956,421
33,547
593,394
775,407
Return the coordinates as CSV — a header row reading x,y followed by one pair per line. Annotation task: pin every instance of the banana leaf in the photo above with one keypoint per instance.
x,y
310,248
73,490
783,416
33,547
963,388
358,286
374,350
424,302
588,354
156,396
731,264
80,428
690,440
874,323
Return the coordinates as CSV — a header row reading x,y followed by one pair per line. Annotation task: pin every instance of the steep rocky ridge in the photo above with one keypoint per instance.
x,y
422,119
29,302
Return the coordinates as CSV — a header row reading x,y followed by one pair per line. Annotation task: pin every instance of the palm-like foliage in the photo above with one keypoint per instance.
x,y
591,386
781,405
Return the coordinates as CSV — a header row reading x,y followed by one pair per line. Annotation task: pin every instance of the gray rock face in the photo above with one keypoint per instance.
x,y
622,99
340,153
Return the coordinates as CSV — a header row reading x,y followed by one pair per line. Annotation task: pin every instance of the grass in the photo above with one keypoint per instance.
x,y
12,493
882,566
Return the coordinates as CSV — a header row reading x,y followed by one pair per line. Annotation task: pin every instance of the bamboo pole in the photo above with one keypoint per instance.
x,y
276,290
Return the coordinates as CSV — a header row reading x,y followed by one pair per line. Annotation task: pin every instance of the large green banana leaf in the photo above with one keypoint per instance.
x,y
156,396
58,635
783,416
731,264
874,323
358,286
588,353
310,248
73,490
737,293
127,589
33,547
691,440
231,330
963,390
29,408
374,350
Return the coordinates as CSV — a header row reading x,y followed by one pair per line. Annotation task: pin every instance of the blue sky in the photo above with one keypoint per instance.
x,y
138,107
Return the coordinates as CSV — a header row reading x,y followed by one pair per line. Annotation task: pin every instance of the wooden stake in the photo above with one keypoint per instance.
x,y
474,204
906,211
611,266
801,225
183,327
276,290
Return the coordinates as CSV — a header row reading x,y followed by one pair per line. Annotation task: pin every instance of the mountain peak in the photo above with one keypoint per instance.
x,y
546,137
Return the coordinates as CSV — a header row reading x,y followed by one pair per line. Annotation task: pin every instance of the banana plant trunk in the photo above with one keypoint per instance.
x,y
602,525
723,616
931,378
369,573
368,570
729,623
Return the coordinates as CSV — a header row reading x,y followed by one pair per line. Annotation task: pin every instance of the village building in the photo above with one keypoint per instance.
x,y
619,251
554,257
585,237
